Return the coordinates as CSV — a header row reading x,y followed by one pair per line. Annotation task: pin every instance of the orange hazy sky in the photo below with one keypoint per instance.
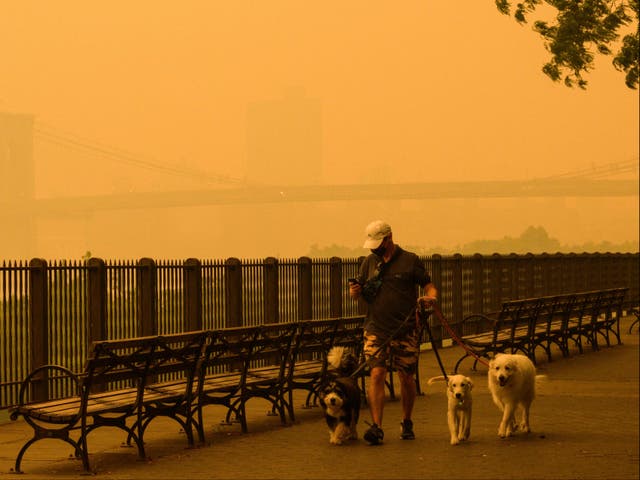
x,y
410,91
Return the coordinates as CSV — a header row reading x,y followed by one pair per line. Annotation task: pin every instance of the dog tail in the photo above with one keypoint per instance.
x,y
436,379
334,357
342,361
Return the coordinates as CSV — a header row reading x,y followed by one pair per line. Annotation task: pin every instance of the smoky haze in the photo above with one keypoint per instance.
x,y
146,96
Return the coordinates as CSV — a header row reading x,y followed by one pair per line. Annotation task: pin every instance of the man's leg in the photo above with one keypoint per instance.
x,y
376,393
408,392
406,358
374,435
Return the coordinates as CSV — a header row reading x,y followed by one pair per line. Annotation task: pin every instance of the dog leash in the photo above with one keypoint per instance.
x,y
433,344
458,340
416,313
412,313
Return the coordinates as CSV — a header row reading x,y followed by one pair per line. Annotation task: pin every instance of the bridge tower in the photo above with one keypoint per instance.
x,y
17,187
284,140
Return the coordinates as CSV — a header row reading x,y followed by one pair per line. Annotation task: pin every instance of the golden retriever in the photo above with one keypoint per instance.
x,y
459,405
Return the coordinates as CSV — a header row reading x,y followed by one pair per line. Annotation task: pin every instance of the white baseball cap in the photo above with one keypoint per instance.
x,y
376,231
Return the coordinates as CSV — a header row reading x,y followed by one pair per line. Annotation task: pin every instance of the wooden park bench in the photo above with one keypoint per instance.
x,y
528,324
242,363
593,316
126,384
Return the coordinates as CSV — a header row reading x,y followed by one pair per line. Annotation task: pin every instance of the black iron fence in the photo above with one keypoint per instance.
x,y
51,312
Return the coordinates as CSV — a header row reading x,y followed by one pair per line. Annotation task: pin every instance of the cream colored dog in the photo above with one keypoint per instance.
x,y
512,383
459,405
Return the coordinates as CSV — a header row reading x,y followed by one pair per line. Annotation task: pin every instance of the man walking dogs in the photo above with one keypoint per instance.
x,y
387,282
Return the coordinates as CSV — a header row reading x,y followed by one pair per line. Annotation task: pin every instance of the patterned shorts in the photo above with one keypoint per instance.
x,y
403,352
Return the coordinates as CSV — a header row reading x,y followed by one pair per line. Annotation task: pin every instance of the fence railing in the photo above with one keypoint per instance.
x,y
51,312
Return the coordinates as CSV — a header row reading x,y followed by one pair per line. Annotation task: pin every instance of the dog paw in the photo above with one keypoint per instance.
x,y
455,441
506,430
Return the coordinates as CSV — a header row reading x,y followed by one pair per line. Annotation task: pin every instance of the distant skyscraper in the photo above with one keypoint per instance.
x,y
17,186
16,158
284,140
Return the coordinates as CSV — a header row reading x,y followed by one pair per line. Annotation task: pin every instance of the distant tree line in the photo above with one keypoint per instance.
x,y
532,240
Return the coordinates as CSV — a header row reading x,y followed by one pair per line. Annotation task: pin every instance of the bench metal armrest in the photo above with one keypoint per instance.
x,y
62,372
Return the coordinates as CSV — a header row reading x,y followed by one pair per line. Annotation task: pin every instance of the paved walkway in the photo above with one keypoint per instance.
x,y
584,422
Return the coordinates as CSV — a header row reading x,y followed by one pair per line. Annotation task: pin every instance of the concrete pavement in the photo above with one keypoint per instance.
x,y
584,422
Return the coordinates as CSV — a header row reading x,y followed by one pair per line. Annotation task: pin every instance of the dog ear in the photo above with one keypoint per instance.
x,y
469,382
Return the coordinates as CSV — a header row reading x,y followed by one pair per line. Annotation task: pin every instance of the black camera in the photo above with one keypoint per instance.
x,y
370,289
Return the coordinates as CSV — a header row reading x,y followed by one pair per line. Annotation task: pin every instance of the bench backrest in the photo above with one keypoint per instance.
x,y
115,364
314,339
349,334
228,350
555,309
581,307
612,301
517,314
118,363
177,358
273,346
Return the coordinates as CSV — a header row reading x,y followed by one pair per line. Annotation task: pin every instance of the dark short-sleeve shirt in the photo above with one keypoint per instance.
x,y
397,294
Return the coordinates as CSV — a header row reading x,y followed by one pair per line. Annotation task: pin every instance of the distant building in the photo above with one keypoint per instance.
x,y
17,179
17,187
284,140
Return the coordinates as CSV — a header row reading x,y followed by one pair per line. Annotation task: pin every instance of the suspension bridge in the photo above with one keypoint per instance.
x,y
213,189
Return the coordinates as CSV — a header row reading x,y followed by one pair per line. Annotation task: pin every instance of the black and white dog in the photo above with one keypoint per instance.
x,y
340,396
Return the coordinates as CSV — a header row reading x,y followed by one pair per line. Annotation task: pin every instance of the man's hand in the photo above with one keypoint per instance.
x,y
430,297
427,301
355,289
